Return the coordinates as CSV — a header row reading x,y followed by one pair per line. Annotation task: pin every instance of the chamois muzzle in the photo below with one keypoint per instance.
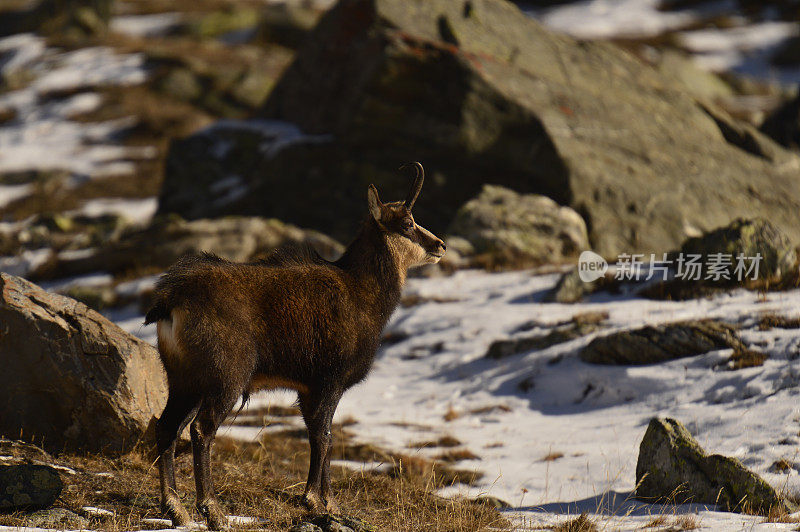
x,y
417,186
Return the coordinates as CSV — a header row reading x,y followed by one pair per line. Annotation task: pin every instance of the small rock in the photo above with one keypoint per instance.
x,y
570,288
339,523
305,527
182,84
659,343
492,502
747,237
28,487
513,346
519,229
673,468
58,518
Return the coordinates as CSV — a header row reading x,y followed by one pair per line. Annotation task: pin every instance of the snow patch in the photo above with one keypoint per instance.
x,y
603,19
136,210
41,134
152,25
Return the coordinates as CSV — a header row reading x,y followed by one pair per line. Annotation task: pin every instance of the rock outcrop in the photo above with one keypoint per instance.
x,y
71,379
674,469
660,343
520,229
158,246
480,93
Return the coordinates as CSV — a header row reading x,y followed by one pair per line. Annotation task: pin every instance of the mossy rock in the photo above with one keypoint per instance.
x,y
28,487
747,237
531,228
674,469
72,18
218,23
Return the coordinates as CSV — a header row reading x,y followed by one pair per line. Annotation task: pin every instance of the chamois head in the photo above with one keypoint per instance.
x,y
410,244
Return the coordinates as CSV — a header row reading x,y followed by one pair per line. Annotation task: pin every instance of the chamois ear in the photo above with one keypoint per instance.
x,y
374,203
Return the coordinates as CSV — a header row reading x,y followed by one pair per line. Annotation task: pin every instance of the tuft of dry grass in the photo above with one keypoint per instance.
x,y
444,441
592,317
552,456
746,358
769,321
264,480
680,522
686,522
782,465
657,521
779,514
452,414
582,523
456,455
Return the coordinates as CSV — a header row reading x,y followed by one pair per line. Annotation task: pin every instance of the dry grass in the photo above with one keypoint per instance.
x,y
592,317
452,414
782,465
746,358
780,515
444,441
456,455
263,416
769,321
413,300
686,522
265,480
680,522
657,521
552,457
582,523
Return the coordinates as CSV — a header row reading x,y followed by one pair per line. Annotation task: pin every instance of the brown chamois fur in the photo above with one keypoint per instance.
x,y
292,321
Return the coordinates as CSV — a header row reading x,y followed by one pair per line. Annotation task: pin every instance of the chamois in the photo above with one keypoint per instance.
x,y
293,321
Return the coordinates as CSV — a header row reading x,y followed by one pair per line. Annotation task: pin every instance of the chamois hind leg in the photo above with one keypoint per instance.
x,y
177,413
318,409
212,413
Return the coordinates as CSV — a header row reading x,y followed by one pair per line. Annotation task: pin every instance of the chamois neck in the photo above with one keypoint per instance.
x,y
372,265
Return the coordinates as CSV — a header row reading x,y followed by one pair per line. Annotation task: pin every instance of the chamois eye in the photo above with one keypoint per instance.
x,y
408,225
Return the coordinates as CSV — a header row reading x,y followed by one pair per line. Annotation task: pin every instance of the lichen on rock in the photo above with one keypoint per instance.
x,y
673,468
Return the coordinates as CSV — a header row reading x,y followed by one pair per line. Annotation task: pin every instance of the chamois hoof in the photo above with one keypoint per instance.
x,y
215,517
313,502
176,512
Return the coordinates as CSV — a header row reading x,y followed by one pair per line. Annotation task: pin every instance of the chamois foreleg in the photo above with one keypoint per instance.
x,y
318,408
212,413
177,413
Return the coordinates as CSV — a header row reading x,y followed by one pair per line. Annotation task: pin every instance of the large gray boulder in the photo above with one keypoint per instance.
x,y
674,469
660,343
71,379
521,229
480,93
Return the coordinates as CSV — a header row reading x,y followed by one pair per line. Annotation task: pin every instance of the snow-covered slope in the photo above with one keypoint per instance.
x,y
594,416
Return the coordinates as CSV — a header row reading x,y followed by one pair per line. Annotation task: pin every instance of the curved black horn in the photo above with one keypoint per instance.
x,y
417,186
